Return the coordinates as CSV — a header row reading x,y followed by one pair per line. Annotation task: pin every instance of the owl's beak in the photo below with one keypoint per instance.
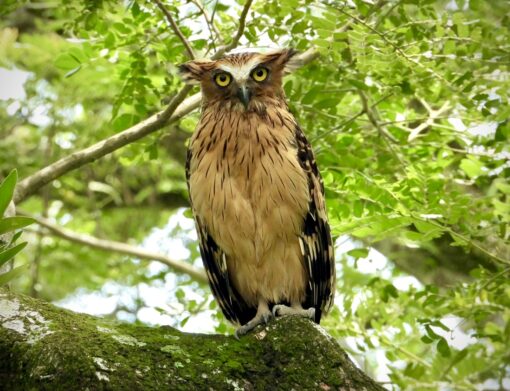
x,y
244,95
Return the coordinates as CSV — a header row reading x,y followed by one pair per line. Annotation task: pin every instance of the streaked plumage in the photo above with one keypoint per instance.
x,y
256,193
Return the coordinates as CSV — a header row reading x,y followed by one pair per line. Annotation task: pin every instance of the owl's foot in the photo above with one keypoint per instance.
x,y
263,317
283,310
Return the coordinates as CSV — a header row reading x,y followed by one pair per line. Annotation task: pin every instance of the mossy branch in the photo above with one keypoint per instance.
x,y
46,348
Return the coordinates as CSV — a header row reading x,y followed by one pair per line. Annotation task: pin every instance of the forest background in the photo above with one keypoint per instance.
x,y
406,104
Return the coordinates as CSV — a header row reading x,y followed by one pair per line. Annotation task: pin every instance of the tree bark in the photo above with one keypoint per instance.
x,y
47,348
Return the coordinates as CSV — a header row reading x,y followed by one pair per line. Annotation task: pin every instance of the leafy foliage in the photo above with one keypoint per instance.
x,y
407,108
8,224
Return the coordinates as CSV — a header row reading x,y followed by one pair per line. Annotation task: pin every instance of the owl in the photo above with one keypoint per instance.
x,y
256,193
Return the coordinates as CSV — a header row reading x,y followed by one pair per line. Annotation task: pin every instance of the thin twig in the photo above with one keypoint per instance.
x,y
492,256
349,120
494,277
210,22
373,117
175,28
214,11
121,248
239,34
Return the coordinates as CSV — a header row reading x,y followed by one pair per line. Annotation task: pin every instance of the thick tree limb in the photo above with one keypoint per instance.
x,y
122,248
46,348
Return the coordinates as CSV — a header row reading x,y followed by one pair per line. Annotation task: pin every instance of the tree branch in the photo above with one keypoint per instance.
x,y
175,28
47,348
121,248
175,110
433,116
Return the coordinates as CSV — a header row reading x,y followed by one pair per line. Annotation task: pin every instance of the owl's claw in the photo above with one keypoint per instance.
x,y
283,310
260,318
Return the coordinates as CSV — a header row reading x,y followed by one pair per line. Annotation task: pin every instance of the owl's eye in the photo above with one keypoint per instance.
x,y
222,79
259,74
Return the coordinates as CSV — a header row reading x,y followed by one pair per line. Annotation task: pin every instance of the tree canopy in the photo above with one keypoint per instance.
x,y
406,104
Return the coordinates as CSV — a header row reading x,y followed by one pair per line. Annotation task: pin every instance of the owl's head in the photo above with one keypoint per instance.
x,y
245,80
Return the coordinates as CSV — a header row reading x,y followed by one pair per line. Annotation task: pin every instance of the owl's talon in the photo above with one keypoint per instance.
x,y
276,307
283,310
260,318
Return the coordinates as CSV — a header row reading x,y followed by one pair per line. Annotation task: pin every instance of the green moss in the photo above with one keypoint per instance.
x,y
84,352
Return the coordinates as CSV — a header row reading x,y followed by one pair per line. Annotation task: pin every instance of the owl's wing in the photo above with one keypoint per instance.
x,y
315,239
230,301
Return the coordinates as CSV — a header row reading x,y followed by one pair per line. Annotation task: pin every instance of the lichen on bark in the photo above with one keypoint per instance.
x,y
47,348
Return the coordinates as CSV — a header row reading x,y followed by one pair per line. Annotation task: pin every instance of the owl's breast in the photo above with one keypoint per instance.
x,y
247,185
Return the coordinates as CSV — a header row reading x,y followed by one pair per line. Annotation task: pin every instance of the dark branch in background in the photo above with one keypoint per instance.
x,y
121,248
175,28
36,262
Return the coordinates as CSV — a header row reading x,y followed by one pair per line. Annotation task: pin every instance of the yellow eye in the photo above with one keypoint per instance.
x,y
222,79
259,74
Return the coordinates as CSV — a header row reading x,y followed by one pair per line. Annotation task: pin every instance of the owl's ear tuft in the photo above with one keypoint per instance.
x,y
192,72
293,61
285,59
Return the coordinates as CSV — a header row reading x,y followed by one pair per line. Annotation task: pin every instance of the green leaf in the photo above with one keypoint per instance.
x,y
13,223
7,190
459,357
12,274
437,323
443,348
431,333
11,252
358,84
358,253
72,71
472,167
358,208
391,290
67,62
123,121
310,96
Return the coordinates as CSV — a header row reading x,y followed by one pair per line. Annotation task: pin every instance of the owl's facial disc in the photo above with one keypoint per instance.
x,y
244,95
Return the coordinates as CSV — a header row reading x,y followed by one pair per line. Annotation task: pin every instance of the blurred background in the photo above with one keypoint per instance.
x,y
406,107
